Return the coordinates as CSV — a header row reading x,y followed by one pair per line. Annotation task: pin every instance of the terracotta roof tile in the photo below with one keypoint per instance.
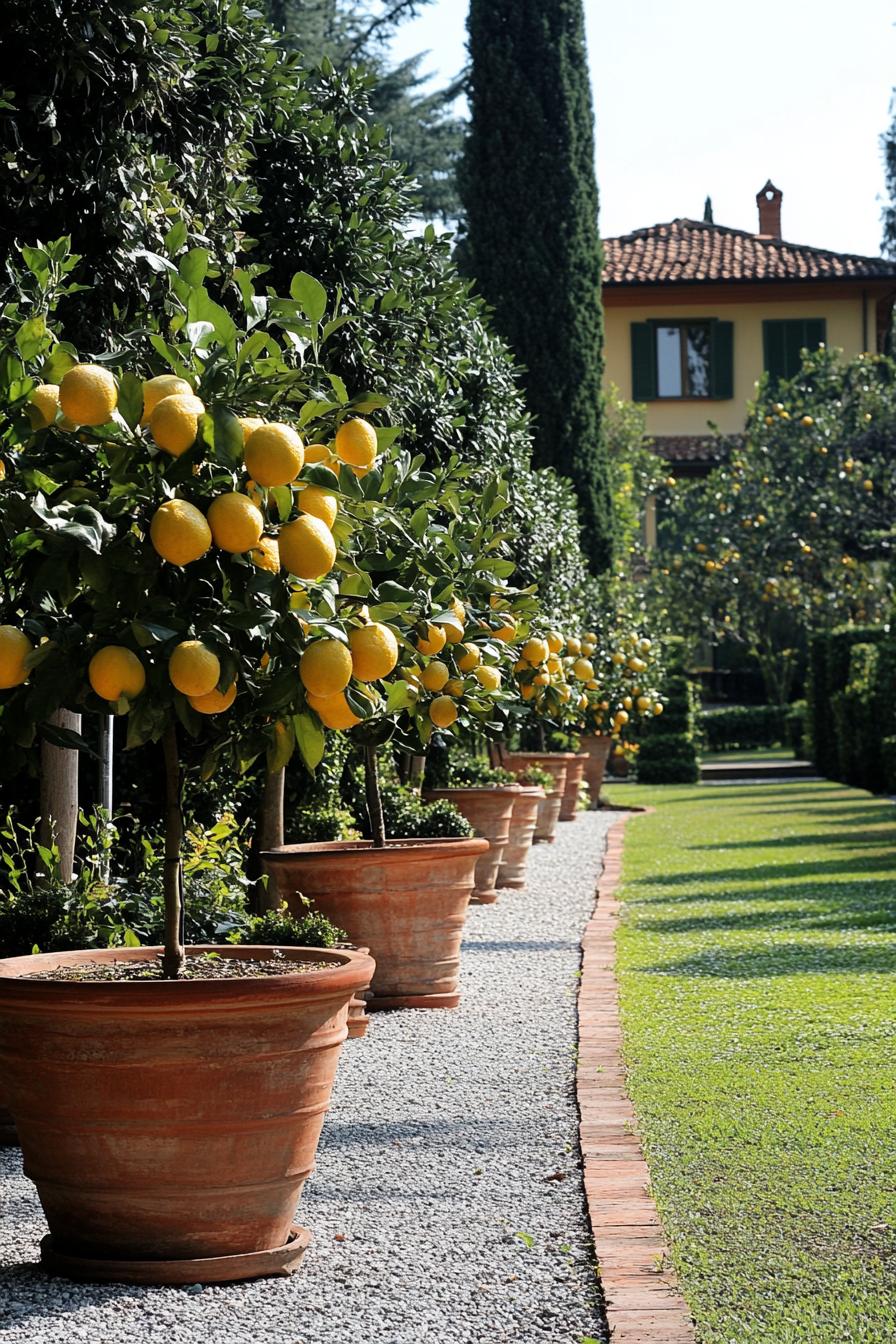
x,y
691,447
687,251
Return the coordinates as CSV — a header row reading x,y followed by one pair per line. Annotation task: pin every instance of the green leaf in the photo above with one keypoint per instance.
x,y
311,740
175,237
228,436
194,266
309,294
131,939
147,633
201,307
400,697
339,388
31,337
130,399
65,737
57,364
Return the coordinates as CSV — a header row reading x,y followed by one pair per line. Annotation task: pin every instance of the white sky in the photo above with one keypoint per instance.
x,y
697,97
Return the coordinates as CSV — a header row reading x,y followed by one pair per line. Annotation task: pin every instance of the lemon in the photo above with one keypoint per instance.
x,y
583,669
266,555
452,634
527,691
174,423
520,667
489,678
235,522
215,702
574,646
307,548
374,651
179,532
535,651
644,645
320,503
356,443
116,673
317,452
643,703
620,717
326,667
274,455
2,470
506,631
334,711
193,669
435,677
470,658
555,641
658,708
165,385
617,658
543,679
443,711
43,405
433,641
554,665
626,702
14,649
249,425
454,687
88,394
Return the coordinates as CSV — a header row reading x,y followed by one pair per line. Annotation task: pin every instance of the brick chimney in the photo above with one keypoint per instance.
x,y
769,202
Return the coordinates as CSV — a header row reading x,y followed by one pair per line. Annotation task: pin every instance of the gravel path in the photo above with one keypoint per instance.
x,y
447,1206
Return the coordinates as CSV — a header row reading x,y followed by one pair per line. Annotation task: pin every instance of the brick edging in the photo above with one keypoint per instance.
x,y
643,1303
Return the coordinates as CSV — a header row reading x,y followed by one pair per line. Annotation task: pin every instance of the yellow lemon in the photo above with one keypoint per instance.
x,y
2,470
334,711
644,645
489,678
620,717
43,405
116,673
320,503
583,669
433,641
453,635
554,665
194,669
588,647
436,676
15,646
179,532
574,646
555,641
454,687
266,555
249,425
274,455
469,658
535,651
617,658
156,389
521,666
626,702
658,708
88,394
307,548
374,651
215,702
506,631
235,522
326,667
356,443
174,423
542,679
317,452
643,703
527,691
443,711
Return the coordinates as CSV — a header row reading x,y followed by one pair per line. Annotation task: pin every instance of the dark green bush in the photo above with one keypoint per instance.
x,y
318,824
852,704
668,760
828,674
744,727
668,753
888,758
796,724
281,929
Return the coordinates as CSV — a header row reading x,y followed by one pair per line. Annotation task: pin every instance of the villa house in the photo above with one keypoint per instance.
x,y
695,313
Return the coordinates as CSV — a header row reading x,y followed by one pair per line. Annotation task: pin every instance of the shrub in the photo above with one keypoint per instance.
x,y
828,673
668,760
282,929
888,758
795,725
744,727
326,821
852,703
668,753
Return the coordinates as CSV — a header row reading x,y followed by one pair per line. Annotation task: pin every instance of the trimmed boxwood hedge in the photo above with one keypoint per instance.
x,y
852,705
668,753
743,727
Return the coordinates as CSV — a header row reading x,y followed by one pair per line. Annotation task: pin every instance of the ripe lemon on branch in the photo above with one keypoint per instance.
x,y
43,404
215,702
334,711
325,668
274,455
156,389
307,548
374,651
88,395
179,532
193,668
235,522
174,423
319,503
115,673
15,647
356,443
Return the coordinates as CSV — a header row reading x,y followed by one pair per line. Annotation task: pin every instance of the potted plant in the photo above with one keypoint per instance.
x,y
535,786
142,579
486,795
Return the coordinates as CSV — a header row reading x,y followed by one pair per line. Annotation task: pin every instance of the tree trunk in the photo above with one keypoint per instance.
x,y
271,832
59,794
374,801
173,956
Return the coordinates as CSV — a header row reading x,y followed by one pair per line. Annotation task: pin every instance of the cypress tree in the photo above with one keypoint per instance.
x,y
531,238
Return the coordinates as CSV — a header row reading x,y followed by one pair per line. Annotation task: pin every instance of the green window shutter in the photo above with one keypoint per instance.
x,y
643,362
815,332
721,360
774,349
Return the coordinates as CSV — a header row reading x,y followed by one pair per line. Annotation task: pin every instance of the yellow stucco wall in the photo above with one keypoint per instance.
x,y
844,329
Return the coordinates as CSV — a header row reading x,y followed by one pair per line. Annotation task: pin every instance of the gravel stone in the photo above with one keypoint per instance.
x,y
447,1206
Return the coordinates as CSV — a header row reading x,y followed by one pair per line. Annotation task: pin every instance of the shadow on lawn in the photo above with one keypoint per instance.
x,y
844,907
767,881
780,959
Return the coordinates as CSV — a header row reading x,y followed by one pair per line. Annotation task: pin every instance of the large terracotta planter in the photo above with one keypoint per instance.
x,y
555,762
575,769
407,903
512,872
488,808
170,1126
596,747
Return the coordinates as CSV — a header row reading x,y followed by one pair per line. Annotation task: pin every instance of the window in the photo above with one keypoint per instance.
x,y
682,359
783,342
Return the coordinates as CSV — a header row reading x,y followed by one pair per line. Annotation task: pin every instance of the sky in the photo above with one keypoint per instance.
x,y
708,97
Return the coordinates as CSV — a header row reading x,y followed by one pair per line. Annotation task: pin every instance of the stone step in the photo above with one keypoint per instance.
x,y
714,772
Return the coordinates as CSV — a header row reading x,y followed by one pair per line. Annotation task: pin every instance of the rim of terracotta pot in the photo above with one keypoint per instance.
x,y
547,755
476,788
347,971
532,788
394,848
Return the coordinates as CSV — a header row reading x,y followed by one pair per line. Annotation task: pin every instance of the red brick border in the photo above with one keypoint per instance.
x,y
642,1298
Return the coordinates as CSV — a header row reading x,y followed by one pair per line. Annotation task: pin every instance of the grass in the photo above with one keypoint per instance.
x,y
757,959
757,754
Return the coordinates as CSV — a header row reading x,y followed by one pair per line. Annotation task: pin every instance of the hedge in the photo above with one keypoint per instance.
x,y
743,727
668,753
852,705
827,673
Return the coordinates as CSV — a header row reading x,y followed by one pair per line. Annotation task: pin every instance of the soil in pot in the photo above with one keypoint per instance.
x,y
488,808
512,872
407,902
169,1126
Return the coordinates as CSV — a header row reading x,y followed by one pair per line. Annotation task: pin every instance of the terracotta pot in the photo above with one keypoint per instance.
x,y
555,762
488,808
407,903
596,747
169,1126
619,767
358,1016
574,771
512,872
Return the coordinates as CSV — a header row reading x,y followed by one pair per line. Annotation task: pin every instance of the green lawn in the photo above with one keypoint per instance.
x,y
758,977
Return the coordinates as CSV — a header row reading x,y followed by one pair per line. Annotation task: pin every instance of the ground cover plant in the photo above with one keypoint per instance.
x,y
756,959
